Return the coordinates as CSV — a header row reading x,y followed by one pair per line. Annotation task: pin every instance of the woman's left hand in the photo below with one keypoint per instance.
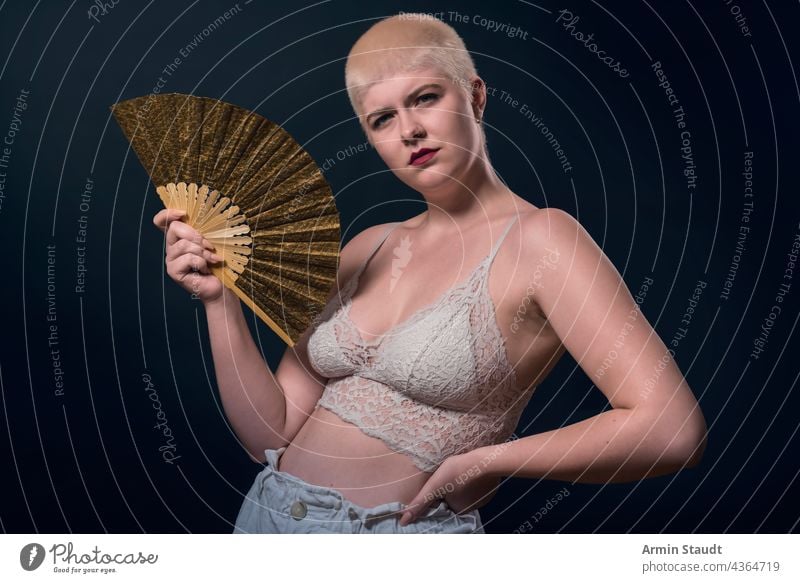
x,y
461,480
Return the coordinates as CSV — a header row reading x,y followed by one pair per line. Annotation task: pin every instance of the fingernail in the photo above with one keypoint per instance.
x,y
216,257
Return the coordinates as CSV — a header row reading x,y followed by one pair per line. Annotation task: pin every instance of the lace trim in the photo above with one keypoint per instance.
x,y
352,417
406,420
426,434
374,349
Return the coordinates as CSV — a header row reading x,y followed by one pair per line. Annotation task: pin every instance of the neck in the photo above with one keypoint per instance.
x,y
466,199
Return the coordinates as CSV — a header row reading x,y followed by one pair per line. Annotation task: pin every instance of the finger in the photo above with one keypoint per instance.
x,y
164,217
407,518
178,230
182,247
186,247
412,511
186,265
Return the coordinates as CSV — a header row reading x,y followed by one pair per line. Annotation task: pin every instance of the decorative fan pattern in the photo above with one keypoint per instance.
x,y
252,190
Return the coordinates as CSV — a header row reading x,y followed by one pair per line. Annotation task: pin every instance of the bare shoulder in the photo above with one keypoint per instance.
x,y
554,239
556,233
581,278
355,251
552,226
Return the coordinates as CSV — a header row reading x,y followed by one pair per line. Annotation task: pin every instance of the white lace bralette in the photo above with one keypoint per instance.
x,y
436,385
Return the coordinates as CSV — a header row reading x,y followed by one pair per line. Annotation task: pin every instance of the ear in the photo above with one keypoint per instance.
x,y
478,96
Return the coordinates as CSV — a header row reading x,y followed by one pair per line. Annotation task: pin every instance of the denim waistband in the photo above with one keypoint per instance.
x,y
332,498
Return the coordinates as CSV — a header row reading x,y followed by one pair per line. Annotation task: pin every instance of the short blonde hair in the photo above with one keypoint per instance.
x,y
403,43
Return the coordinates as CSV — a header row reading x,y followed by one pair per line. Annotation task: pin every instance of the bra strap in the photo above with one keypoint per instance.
x,y
500,240
392,226
377,245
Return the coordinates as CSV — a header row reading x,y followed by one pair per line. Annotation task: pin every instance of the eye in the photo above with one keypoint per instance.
x,y
379,122
433,95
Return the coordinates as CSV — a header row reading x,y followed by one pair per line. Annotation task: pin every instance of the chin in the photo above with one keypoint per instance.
x,y
432,173
422,180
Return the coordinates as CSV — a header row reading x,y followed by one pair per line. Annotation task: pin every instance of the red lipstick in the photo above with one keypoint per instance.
x,y
423,155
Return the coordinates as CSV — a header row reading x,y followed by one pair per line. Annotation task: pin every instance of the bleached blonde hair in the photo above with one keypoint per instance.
x,y
404,43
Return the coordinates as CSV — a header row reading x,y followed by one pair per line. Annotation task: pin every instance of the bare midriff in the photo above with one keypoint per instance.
x,y
330,452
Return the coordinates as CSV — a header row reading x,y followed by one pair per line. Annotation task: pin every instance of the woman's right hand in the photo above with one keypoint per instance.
x,y
189,256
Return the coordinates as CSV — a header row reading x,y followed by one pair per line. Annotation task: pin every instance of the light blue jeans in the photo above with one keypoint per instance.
x,y
281,503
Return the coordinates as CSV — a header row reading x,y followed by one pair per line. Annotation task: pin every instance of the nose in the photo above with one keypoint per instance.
x,y
410,128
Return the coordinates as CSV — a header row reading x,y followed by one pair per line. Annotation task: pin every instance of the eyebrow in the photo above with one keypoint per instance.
x,y
408,99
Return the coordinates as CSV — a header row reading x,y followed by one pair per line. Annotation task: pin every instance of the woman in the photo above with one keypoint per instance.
x,y
394,411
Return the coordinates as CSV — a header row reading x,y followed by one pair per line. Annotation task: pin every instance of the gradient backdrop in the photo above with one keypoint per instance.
x,y
666,202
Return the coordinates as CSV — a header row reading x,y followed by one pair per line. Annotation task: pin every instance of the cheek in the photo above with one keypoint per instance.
x,y
470,132
455,125
465,120
385,151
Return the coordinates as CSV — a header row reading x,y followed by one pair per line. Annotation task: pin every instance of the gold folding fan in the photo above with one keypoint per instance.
x,y
252,191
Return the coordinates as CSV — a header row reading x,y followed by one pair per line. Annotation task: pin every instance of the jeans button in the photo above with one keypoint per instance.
x,y
298,510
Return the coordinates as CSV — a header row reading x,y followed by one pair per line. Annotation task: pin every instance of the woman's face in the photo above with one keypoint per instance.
x,y
422,110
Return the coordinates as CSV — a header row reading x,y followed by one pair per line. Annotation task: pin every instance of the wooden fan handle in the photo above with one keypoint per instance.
x,y
227,230
224,226
226,281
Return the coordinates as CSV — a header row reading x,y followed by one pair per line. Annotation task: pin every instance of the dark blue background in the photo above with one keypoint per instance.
x,y
88,461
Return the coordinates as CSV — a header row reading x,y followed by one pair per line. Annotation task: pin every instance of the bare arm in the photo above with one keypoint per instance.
x,y
655,427
265,410
268,411
252,398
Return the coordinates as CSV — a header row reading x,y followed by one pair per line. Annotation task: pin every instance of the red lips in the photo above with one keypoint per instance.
x,y
420,153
